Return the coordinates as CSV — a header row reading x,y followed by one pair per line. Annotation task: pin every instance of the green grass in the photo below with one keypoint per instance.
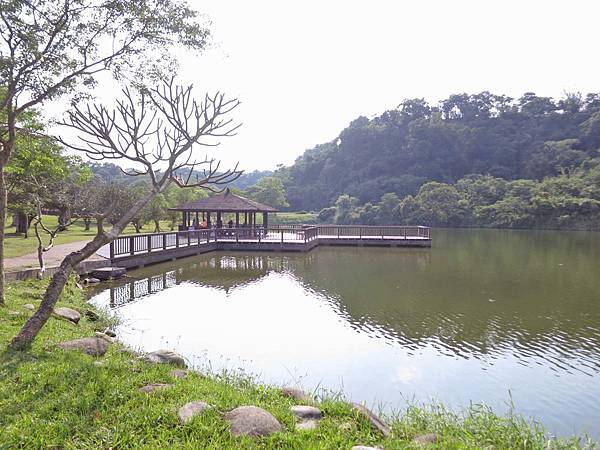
x,y
292,218
51,398
19,245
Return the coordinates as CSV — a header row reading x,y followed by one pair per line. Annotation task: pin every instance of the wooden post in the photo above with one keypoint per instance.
x,y
265,220
189,238
176,240
282,236
149,243
131,244
112,251
237,235
164,241
237,219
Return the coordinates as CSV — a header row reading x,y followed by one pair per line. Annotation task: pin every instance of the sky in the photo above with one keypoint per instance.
x,y
304,70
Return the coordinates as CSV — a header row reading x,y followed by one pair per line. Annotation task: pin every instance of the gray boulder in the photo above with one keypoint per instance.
x,y
29,306
104,336
68,314
376,422
179,373
165,357
149,388
296,394
425,439
307,425
91,345
306,412
188,411
251,421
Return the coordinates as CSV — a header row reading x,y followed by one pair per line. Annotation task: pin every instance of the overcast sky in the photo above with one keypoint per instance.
x,y
304,70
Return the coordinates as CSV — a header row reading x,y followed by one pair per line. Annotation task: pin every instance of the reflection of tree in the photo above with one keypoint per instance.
x,y
474,295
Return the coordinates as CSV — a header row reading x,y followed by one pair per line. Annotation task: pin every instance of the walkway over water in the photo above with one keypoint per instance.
x,y
141,249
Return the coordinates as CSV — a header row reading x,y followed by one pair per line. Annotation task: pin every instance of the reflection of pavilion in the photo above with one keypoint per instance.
x,y
224,272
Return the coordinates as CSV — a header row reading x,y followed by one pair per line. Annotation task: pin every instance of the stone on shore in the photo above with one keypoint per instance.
x,y
307,425
188,411
296,394
110,333
104,336
68,314
425,439
179,373
376,422
149,388
29,306
165,357
93,346
251,421
306,412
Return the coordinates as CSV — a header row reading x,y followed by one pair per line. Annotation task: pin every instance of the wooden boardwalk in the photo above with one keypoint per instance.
x,y
143,249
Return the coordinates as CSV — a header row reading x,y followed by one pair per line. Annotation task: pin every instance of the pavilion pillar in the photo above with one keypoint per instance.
x,y
208,219
265,220
183,218
219,221
237,219
245,218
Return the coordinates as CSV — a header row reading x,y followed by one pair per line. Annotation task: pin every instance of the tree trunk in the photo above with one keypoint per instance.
x,y
87,221
14,221
22,223
156,226
64,218
3,196
35,323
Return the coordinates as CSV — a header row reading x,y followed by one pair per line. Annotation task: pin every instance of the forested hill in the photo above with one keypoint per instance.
x,y
527,138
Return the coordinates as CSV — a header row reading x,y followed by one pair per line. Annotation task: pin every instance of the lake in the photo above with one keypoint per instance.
x,y
484,316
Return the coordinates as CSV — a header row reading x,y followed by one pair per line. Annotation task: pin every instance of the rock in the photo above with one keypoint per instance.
x,y
91,280
149,388
307,425
424,439
67,314
251,421
365,447
104,336
165,357
92,315
110,333
179,373
188,411
296,394
99,363
29,306
375,421
91,345
306,412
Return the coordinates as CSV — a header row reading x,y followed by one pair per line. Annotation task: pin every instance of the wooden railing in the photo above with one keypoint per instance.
x,y
146,243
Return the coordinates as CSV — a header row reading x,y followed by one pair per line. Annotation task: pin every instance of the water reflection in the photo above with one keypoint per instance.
x,y
478,315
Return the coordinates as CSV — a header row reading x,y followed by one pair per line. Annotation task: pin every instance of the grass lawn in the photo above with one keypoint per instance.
x,y
57,399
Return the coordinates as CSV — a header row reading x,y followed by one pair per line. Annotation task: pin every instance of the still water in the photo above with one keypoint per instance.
x,y
484,316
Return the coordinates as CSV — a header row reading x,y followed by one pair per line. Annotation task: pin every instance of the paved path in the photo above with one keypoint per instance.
x,y
52,257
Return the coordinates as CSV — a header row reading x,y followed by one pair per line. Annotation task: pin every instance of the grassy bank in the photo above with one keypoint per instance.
x,y
18,245
58,399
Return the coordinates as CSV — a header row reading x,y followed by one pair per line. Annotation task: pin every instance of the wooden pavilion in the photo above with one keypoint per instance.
x,y
199,213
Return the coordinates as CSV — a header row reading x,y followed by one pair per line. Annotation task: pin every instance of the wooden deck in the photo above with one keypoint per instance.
x,y
143,249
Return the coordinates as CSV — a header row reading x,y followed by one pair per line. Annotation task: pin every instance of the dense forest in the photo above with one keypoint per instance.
x,y
481,159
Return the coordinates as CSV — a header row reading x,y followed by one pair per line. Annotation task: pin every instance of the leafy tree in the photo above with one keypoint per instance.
x,y
270,191
53,48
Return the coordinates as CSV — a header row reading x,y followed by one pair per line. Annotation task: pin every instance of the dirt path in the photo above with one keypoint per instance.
x,y
53,257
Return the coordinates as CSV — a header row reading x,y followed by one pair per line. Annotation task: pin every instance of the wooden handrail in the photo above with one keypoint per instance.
x,y
148,242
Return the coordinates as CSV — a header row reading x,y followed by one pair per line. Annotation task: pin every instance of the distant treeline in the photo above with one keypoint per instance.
x,y
481,160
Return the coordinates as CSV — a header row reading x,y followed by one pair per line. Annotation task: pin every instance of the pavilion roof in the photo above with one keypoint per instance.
x,y
225,202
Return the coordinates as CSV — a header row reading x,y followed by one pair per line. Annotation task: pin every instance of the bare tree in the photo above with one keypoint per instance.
x,y
51,48
157,131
